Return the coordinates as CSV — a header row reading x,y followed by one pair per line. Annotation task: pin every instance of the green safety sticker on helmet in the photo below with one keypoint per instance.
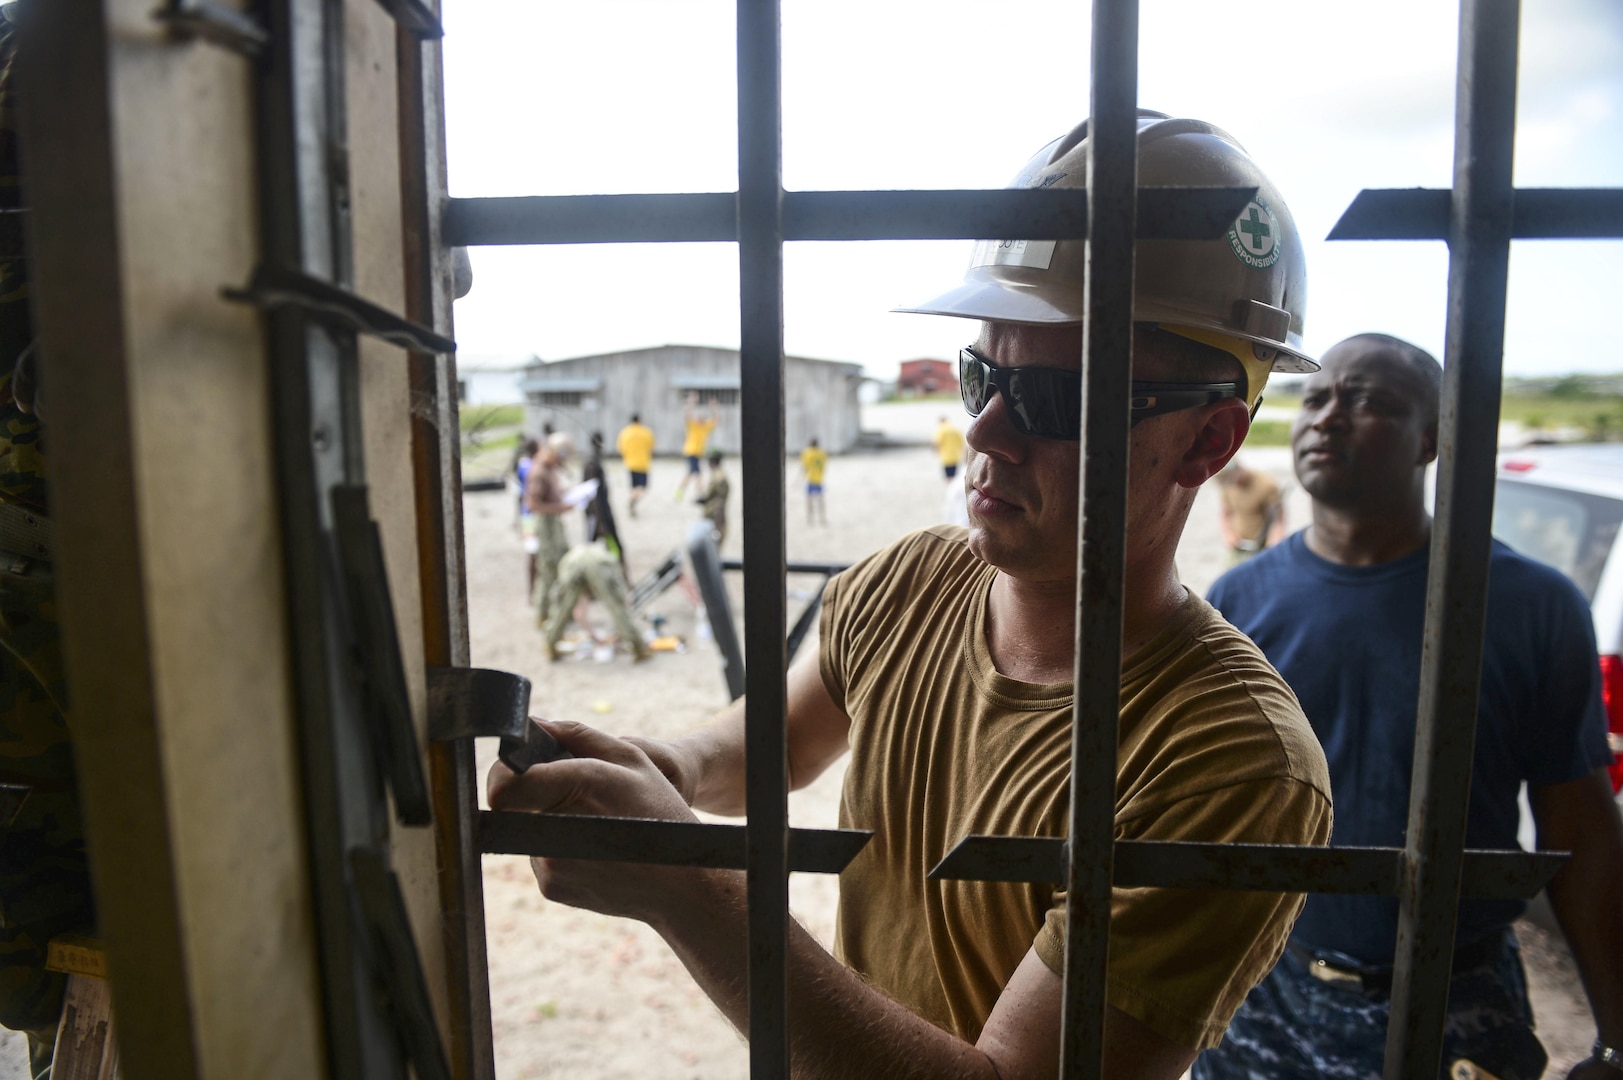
x,y
1254,236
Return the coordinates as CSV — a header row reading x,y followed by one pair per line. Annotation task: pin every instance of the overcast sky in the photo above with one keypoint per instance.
x,y
553,98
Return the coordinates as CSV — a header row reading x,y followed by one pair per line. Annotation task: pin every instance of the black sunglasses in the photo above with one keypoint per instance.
x,y
1047,402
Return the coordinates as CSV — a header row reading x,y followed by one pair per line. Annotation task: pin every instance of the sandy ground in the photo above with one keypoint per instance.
x,y
584,996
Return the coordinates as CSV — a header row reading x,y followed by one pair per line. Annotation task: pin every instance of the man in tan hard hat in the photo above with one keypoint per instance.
x,y
944,670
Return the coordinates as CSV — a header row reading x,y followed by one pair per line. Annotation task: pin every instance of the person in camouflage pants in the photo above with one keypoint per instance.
x,y
1301,1024
44,874
544,502
589,570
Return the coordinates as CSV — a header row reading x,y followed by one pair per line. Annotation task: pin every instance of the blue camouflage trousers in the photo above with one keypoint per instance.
x,y
44,874
1294,1024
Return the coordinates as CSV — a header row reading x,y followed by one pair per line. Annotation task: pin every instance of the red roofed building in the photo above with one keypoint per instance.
x,y
926,377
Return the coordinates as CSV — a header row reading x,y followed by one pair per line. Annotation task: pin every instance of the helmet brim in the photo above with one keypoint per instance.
x,y
995,302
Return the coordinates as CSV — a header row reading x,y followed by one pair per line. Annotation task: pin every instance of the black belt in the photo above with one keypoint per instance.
x,y
1334,967
25,533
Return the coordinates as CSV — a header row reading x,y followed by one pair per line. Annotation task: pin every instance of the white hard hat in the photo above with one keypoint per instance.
x,y
562,445
1244,293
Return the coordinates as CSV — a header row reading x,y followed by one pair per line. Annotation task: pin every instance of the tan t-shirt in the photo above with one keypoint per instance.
x,y
1213,747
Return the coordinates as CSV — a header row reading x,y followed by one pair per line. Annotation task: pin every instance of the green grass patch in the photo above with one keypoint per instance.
x,y
490,434
508,442
1269,433
1598,416
479,417
951,394
1588,407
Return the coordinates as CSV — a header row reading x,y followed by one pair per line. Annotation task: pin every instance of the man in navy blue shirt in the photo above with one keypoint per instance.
x,y
1339,609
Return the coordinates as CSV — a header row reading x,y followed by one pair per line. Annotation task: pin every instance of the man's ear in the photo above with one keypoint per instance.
x,y
1223,427
1428,445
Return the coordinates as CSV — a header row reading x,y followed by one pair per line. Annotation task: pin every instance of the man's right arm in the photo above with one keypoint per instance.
x,y
841,1025
707,765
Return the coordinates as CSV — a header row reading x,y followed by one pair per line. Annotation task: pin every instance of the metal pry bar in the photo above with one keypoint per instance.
x,y
387,705
217,24
663,843
414,17
1536,214
274,287
1500,875
395,965
1007,213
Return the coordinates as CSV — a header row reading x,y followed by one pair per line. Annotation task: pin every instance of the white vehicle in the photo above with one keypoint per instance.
x,y
1563,505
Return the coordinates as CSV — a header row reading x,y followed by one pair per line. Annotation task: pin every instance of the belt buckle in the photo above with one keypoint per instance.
x,y
1326,972
1466,1069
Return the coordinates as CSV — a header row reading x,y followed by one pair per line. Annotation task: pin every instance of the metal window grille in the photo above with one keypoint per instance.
x,y
1478,218
712,397
566,398
348,680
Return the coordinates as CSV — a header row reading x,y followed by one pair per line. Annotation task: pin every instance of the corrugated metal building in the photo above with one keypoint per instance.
x,y
599,393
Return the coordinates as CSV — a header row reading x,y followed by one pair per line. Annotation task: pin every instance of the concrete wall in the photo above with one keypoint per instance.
x,y
489,386
820,396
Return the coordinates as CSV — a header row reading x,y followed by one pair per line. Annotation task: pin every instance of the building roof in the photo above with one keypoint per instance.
x,y
705,382
537,364
562,385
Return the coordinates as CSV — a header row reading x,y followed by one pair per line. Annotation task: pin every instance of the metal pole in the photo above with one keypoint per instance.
x,y
760,264
1451,666
1106,370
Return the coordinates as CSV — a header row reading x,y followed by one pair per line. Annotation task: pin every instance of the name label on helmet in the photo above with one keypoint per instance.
x,y
1254,236
1037,253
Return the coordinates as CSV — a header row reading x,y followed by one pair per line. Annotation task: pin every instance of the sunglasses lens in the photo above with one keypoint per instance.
x,y
974,383
1046,402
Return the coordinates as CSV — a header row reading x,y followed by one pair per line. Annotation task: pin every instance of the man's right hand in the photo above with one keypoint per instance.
x,y
670,758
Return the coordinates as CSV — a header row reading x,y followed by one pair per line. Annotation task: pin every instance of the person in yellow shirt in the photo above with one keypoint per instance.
x,y
949,444
636,446
813,460
698,434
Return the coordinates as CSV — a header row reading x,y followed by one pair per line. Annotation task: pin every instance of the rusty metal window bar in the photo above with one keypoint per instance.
x,y
1478,218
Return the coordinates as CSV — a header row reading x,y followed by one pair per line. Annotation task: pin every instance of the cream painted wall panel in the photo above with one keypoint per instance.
x,y
386,410
208,522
